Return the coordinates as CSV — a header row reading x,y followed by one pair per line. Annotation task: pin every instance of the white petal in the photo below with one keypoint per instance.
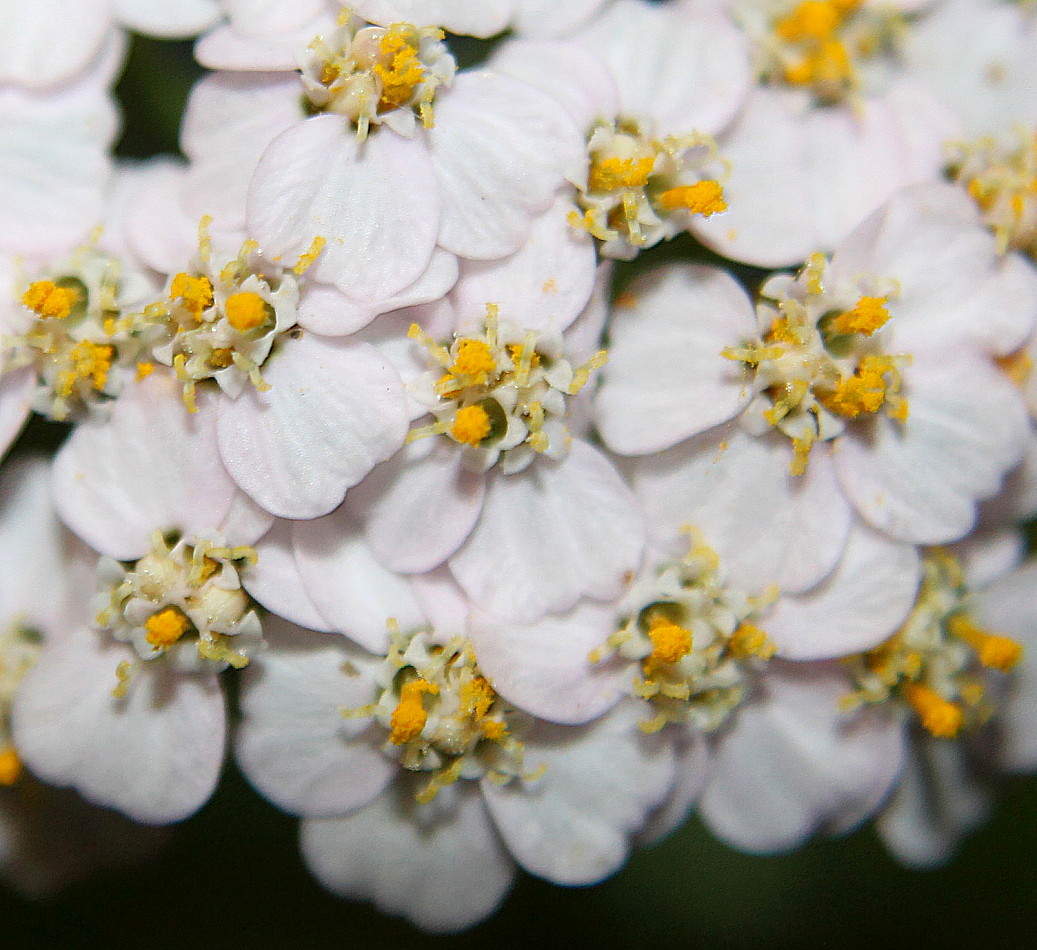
x,y
481,19
375,203
333,411
572,825
171,19
294,744
666,379
793,764
548,18
155,755
455,871
349,587
45,42
855,608
768,526
152,467
692,769
501,150
543,667
551,535
15,389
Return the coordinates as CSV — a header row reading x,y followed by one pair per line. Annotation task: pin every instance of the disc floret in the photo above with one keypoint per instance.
x,y
182,602
501,393
642,189
820,362
935,665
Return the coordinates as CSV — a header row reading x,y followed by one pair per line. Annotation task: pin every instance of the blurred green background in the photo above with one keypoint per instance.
x,y
231,877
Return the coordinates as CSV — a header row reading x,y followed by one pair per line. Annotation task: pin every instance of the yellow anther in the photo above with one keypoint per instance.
x,y
195,293
704,197
90,361
862,393
868,315
10,766
749,640
670,642
400,71
800,455
828,65
940,717
781,331
246,311
471,425
811,20
477,696
494,730
309,257
994,651
609,174
165,627
49,300
473,359
1017,366
409,716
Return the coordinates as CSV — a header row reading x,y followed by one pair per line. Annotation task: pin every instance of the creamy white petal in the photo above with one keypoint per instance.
x,y
481,19
170,19
45,42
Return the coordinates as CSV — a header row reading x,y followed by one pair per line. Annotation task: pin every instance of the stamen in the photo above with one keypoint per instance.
x,y
471,425
994,651
195,293
10,766
940,717
48,300
246,311
166,626
869,315
704,197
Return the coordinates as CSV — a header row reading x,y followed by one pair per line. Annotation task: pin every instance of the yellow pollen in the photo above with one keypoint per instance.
x,y
10,766
90,361
995,652
195,293
473,359
704,197
608,174
477,697
749,640
782,332
402,71
144,370
409,716
494,730
165,627
670,642
940,717
869,315
471,425
221,358
862,393
828,64
811,20
245,311
49,300
1016,366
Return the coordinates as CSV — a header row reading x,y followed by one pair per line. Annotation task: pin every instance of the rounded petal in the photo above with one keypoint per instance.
x,y
46,42
171,19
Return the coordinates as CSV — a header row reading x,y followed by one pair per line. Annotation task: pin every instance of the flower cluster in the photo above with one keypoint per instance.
x,y
517,558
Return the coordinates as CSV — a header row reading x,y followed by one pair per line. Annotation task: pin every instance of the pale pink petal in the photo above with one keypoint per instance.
x,y
543,667
333,411
666,379
15,389
46,42
170,19
501,150
375,203
693,760
481,19
768,526
549,18
155,754
455,872
294,744
793,764
860,604
573,824
551,535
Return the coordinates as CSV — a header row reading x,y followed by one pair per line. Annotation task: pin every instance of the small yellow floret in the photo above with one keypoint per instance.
x,y
401,72
473,359
195,293
10,766
471,425
245,311
704,197
670,642
49,300
608,174
995,651
868,315
939,716
409,716
165,627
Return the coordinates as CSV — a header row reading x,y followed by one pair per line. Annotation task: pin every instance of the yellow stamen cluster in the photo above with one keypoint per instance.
x,y
47,299
194,292
934,662
399,68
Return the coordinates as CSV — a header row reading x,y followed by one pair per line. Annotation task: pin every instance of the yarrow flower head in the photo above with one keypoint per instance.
x,y
934,664
374,75
821,362
182,601
503,395
1000,175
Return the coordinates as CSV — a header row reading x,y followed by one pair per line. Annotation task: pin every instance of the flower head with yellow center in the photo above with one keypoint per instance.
x,y
20,648
823,46
220,319
936,663
1000,175
377,75
694,638
501,393
642,190
182,601
75,332
820,363
442,716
